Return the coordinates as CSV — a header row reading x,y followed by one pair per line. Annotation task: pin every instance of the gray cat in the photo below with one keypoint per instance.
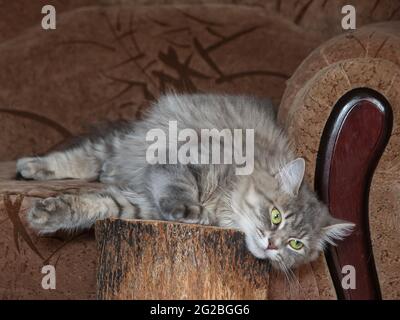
x,y
281,217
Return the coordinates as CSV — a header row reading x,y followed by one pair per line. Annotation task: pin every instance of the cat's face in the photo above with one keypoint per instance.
x,y
282,218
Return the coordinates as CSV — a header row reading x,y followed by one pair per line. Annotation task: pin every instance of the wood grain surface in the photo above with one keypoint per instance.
x,y
352,143
164,260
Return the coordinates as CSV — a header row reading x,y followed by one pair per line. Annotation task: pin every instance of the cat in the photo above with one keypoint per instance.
x,y
281,217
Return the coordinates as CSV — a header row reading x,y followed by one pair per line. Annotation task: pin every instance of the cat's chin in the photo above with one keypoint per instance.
x,y
269,256
272,255
254,248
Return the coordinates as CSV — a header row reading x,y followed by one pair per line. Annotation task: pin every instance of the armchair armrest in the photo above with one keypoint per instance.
x,y
339,108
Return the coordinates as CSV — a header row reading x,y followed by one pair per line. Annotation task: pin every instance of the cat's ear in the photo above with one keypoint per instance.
x,y
291,176
336,229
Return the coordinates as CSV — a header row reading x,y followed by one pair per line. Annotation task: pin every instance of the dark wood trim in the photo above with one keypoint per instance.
x,y
352,143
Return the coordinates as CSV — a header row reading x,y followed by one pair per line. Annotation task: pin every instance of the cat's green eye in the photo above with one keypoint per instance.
x,y
276,216
296,244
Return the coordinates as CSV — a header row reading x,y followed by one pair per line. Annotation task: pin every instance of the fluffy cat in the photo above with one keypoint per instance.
x,y
281,217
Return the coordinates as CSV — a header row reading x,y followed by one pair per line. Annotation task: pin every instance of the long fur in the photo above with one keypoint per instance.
x,y
195,193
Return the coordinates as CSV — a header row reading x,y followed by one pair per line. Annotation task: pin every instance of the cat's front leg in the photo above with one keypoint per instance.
x,y
175,193
77,211
51,214
183,210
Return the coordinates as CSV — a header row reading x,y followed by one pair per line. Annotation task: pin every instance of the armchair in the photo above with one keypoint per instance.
x,y
341,108
107,61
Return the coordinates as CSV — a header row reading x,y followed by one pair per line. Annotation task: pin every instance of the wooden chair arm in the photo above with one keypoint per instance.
x,y
352,143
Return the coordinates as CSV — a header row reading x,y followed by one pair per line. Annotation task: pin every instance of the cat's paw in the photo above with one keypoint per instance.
x,y
48,215
186,213
183,212
34,168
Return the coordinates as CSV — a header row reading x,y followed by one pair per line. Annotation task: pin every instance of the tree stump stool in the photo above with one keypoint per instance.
x,y
141,259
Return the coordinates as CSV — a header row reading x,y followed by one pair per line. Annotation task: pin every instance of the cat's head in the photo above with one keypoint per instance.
x,y
283,219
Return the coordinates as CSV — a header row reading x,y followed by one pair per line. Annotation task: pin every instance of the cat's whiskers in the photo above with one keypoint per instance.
x,y
292,277
283,267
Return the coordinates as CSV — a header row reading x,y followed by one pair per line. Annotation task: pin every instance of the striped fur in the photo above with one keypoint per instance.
x,y
194,193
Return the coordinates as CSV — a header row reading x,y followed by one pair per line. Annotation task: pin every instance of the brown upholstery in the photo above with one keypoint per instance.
x,y
368,58
107,61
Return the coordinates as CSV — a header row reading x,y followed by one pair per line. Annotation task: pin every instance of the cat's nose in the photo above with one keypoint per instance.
x,y
271,246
